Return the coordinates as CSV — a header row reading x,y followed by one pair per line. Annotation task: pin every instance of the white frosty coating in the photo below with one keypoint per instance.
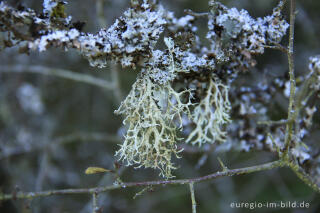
x,y
190,61
166,66
301,153
143,29
253,34
132,37
184,21
235,36
133,33
59,36
73,33
161,76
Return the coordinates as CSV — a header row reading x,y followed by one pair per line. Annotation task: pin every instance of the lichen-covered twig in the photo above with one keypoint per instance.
x,y
291,110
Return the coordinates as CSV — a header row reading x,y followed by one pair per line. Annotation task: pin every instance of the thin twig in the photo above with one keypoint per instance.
x,y
62,73
289,127
116,81
230,172
271,123
195,14
277,47
193,199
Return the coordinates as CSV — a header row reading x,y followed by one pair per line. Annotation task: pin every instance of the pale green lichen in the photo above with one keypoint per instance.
x,y
150,110
211,114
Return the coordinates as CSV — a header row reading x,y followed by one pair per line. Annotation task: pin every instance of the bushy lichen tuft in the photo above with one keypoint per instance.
x,y
211,114
150,110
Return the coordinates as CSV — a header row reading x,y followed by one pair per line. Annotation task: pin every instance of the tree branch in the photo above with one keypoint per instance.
x,y
231,172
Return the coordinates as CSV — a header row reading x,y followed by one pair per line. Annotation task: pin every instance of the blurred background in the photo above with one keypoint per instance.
x,y
52,129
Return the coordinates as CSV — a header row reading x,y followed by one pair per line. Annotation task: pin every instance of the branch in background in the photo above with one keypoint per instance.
x,y
62,73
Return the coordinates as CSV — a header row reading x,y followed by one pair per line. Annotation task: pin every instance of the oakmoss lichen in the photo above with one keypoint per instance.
x,y
151,140
211,114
